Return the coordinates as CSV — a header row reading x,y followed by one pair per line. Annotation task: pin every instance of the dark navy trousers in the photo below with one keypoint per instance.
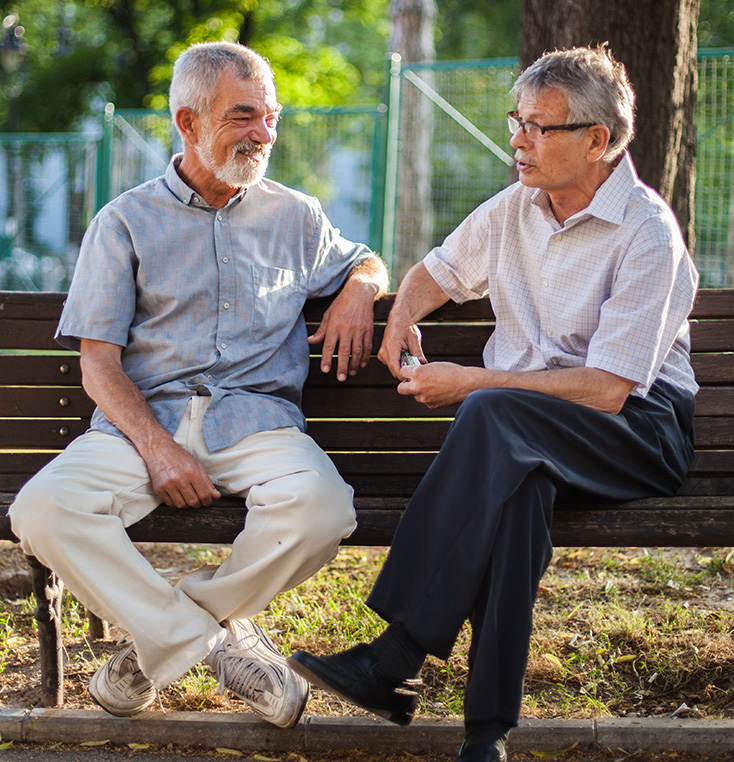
x,y
474,541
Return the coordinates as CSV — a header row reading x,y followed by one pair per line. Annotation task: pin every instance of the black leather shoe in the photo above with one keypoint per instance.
x,y
352,675
482,751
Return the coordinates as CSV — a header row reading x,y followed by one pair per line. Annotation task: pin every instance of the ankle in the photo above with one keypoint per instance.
x,y
491,732
398,655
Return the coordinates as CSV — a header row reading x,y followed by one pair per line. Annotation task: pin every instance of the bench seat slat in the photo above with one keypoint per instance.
x,y
687,521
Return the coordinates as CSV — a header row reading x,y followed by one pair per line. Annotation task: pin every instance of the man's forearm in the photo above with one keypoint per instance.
x,y
440,384
418,295
117,396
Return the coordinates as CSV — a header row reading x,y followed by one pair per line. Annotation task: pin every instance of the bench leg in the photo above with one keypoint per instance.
x,y
99,629
48,590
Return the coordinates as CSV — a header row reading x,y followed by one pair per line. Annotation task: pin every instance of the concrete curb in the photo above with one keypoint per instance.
x,y
318,734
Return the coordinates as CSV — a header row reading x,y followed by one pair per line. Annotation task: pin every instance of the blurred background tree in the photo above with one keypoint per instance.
x,y
81,53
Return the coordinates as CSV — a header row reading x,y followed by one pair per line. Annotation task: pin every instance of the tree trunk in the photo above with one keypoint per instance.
x,y
656,41
412,37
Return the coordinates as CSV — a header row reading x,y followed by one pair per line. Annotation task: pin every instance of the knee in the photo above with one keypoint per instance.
x,y
327,509
34,513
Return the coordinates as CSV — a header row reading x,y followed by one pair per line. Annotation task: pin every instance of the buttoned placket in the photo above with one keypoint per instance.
x,y
544,295
227,286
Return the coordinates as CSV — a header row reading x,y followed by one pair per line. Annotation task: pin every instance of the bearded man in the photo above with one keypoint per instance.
x,y
186,305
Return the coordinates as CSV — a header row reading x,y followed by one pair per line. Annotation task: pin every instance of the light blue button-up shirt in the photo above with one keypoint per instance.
x,y
208,301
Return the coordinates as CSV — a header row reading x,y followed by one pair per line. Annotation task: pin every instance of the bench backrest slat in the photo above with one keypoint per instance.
x,y
43,406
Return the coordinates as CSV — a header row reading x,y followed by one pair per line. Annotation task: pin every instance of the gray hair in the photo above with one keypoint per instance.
x,y
197,71
596,87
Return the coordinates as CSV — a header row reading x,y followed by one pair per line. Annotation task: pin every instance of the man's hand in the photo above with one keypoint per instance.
x,y
177,477
401,333
436,384
349,321
418,295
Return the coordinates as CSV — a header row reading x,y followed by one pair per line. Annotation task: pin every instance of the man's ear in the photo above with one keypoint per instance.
x,y
188,124
598,136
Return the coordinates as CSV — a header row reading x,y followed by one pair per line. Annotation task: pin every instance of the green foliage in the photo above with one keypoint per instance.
x,y
716,24
81,53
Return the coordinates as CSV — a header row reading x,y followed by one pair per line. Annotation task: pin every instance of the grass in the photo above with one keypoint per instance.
x,y
617,633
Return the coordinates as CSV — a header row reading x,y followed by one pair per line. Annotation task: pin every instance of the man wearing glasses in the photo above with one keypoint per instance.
x,y
586,389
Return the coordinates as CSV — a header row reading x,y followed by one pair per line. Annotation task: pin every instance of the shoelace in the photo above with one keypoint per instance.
x,y
258,676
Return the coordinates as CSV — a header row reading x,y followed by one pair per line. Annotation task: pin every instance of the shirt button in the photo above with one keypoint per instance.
x,y
225,260
226,305
549,331
223,345
545,284
219,217
211,378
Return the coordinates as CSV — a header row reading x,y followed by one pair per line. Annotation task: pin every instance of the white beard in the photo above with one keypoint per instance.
x,y
235,171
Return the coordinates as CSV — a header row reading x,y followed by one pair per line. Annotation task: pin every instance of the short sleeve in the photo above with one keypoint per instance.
x,y
460,266
101,300
647,310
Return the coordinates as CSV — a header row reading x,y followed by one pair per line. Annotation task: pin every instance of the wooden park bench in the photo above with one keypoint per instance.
x,y
381,442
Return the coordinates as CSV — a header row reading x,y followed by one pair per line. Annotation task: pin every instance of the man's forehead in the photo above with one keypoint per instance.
x,y
546,100
236,93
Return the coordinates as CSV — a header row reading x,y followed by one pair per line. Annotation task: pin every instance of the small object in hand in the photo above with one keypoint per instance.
x,y
407,359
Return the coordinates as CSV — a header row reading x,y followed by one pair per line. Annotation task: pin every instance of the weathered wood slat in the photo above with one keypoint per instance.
x,y
714,303
45,402
712,335
713,368
39,305
56,370
715,401
27,334
331,435
41,434
678,521
340,402
52,370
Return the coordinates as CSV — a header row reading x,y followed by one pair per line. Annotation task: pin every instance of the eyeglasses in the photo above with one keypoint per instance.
x,y
535,131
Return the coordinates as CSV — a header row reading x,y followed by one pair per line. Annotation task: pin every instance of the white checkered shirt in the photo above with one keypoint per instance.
x,y
610,289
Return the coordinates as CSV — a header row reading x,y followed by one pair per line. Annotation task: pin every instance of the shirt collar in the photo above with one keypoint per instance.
x,y
184,193
610,200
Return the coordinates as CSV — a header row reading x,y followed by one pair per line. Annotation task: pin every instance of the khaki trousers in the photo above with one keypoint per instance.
x,y
72,516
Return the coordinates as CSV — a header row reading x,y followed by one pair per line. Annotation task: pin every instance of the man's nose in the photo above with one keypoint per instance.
x,y
262,132
519,139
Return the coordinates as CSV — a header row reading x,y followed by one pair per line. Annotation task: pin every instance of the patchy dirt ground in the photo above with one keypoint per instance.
x,y
628,582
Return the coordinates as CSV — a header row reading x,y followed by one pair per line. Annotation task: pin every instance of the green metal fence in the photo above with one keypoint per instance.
x,y
714,249
48,195
400,175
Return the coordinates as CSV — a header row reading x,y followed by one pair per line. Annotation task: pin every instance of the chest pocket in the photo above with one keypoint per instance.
x,y
279,298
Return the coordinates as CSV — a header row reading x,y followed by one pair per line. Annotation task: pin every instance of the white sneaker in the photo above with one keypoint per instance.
x,y
119,686
250,666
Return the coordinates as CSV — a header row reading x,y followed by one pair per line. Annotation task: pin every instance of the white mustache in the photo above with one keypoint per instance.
x,y
250,149
523,159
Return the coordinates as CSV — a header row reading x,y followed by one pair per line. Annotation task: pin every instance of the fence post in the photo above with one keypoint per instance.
x,y
104,157
391,158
